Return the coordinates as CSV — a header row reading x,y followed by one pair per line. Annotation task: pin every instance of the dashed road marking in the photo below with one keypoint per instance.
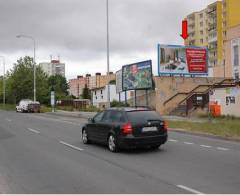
x,y
188,143
33,130
71,146
9,120
173,140
205,146
221,148
189,189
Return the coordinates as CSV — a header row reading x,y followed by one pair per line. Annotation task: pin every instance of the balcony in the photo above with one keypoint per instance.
x,y
212,37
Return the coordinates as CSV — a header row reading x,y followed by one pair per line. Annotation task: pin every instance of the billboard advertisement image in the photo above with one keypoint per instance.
x,y
182,60
137,76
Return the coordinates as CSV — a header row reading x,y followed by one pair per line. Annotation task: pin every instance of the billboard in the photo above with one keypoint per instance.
x,y
119,81
182,60
137,76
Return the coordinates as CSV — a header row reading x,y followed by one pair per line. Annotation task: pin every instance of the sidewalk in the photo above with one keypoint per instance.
x,y
87,115
84,115
190,119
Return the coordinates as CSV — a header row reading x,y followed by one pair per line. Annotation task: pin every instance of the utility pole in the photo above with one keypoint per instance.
x,y
108,86
34,62
4,86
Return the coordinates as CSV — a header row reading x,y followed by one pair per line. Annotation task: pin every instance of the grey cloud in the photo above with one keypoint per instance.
x,y
77,28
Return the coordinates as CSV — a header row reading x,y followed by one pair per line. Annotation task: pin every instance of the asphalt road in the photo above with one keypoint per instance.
x,y
41,153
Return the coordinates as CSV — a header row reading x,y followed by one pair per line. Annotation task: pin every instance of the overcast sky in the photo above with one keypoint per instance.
x,y
76,30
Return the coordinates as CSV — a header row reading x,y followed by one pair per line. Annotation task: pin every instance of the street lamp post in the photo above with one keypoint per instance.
x,y
34,62
4,87
108,86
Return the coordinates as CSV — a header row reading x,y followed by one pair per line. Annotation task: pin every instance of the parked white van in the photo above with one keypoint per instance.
x,y
23,105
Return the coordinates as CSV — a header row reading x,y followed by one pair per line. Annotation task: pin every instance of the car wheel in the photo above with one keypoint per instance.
x,y
112,143
85,137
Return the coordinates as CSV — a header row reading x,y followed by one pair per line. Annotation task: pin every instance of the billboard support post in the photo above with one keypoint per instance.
x,y
125,97
146,98
135,97
119,97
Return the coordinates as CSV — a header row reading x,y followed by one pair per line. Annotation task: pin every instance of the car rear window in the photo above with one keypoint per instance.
x,y
142,116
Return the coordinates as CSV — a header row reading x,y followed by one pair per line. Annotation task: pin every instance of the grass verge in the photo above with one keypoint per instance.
x,y
228,128
7,107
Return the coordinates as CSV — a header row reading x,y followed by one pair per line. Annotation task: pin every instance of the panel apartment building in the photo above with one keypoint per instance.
x,y
55,67
209,28
76,85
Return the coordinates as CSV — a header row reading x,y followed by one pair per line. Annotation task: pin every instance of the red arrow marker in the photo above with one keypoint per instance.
x,y
184,34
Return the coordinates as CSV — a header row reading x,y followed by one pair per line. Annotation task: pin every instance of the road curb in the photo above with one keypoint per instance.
x,y
75,115
184,131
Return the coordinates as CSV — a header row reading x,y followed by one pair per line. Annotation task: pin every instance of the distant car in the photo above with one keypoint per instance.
x,y
27,105
126,128
34,107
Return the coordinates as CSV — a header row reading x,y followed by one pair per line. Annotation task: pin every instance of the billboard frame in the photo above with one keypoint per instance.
x,y
135,64
121,81
180,46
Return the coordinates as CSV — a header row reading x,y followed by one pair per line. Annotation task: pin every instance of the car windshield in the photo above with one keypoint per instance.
x,y
142,116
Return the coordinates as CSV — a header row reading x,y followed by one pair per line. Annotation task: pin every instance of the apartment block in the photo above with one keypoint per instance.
x,y
209,27
55,67
97,81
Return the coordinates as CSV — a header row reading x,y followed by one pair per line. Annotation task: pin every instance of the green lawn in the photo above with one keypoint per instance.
x,y
220,127
8,107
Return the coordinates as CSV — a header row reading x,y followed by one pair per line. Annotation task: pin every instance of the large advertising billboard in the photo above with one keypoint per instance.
x,y
182,60
137,76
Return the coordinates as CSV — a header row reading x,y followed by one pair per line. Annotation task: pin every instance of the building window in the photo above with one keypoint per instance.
x,y
236,55
96,97
201,41
101,91
201,15
95,92
102,97
201,32
201,23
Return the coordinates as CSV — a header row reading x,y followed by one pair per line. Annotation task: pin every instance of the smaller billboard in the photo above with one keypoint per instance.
x,y
182,60
137,76
119,81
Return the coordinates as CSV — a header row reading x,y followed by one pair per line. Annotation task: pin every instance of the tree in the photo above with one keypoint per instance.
x,y
59,84
86,93
19,83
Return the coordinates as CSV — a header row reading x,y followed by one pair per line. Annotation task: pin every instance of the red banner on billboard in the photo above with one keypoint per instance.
x,y
196,60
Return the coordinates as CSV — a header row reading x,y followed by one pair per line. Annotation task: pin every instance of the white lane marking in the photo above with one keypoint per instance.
x,y
71,146
9,120
33,130
189,189
205,146
173,140
188,143
221,148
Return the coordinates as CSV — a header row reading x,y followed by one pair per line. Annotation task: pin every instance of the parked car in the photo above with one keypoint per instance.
x,y
34,107
27,105
126,128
